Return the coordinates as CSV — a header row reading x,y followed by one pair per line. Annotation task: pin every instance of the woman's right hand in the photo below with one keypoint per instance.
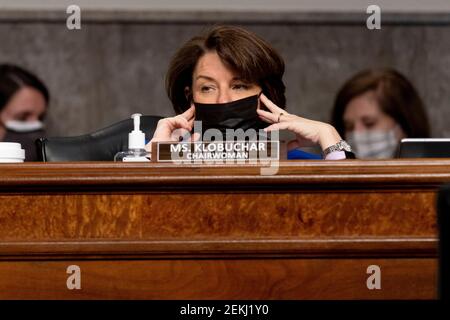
x,y
173,129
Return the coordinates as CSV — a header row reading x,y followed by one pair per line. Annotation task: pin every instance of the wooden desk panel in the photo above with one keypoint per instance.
x,y
283,236
182,215
220,279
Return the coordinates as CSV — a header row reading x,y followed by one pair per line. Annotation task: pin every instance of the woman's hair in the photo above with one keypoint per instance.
x,y
249,56
395,95
13,78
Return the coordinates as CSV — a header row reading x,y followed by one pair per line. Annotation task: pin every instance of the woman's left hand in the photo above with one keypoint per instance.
x,y
307,131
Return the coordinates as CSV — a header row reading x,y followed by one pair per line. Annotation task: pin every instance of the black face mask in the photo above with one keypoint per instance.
x,y
27,140
239,114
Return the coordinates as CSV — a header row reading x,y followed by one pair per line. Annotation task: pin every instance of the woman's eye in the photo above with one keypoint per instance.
x,y
205,89
240,87
22,116
370,124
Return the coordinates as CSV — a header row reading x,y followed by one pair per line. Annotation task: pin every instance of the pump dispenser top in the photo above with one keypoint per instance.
x,y
136,138
136,144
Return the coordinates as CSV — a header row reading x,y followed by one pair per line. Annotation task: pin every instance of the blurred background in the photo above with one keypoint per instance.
x,y
115,65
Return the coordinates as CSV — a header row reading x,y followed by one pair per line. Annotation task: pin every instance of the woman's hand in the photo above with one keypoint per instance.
x,y
174,128
307,131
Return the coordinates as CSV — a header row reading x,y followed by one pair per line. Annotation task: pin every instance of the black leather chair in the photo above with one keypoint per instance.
x,y
101,145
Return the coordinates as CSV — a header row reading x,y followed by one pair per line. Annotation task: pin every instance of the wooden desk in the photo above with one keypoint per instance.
x,y
153,231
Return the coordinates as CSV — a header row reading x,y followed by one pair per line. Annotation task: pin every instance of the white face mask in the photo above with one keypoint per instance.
x,y
374,144
24,126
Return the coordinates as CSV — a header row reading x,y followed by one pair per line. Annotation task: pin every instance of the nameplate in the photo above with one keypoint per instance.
x,y
216,151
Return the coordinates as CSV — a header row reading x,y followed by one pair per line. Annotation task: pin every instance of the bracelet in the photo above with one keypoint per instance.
x,y
340,146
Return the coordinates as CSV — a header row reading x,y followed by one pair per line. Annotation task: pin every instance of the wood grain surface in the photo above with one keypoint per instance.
x,y
149,231
227,214
221,279
321,174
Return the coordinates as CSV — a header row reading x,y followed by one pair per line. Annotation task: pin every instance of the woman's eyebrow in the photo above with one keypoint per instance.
x,y
205,77
241,80
368,118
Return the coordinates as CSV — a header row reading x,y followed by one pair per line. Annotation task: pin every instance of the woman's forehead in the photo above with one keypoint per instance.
x,y
211,66
363,103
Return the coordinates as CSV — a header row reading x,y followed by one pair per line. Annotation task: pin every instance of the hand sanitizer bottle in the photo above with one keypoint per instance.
x,y
136,144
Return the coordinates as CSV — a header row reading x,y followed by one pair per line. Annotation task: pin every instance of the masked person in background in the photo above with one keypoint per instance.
x,y
229,78
377,108
23,102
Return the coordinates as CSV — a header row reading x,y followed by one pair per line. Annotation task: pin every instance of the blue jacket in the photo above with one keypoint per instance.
x,y
299,154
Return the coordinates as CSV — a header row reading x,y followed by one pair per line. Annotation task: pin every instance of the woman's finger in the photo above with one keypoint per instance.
x,y
272,117
270,105
278,126
265,119
192,119
275,118
179,122
179,134
189,113
191,122
193,115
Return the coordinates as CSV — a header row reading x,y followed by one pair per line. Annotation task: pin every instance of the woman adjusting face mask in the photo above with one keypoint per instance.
x,y
229,117
222,100
229,79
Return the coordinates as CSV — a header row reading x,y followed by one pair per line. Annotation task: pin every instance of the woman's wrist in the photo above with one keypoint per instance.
x,y
328,136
